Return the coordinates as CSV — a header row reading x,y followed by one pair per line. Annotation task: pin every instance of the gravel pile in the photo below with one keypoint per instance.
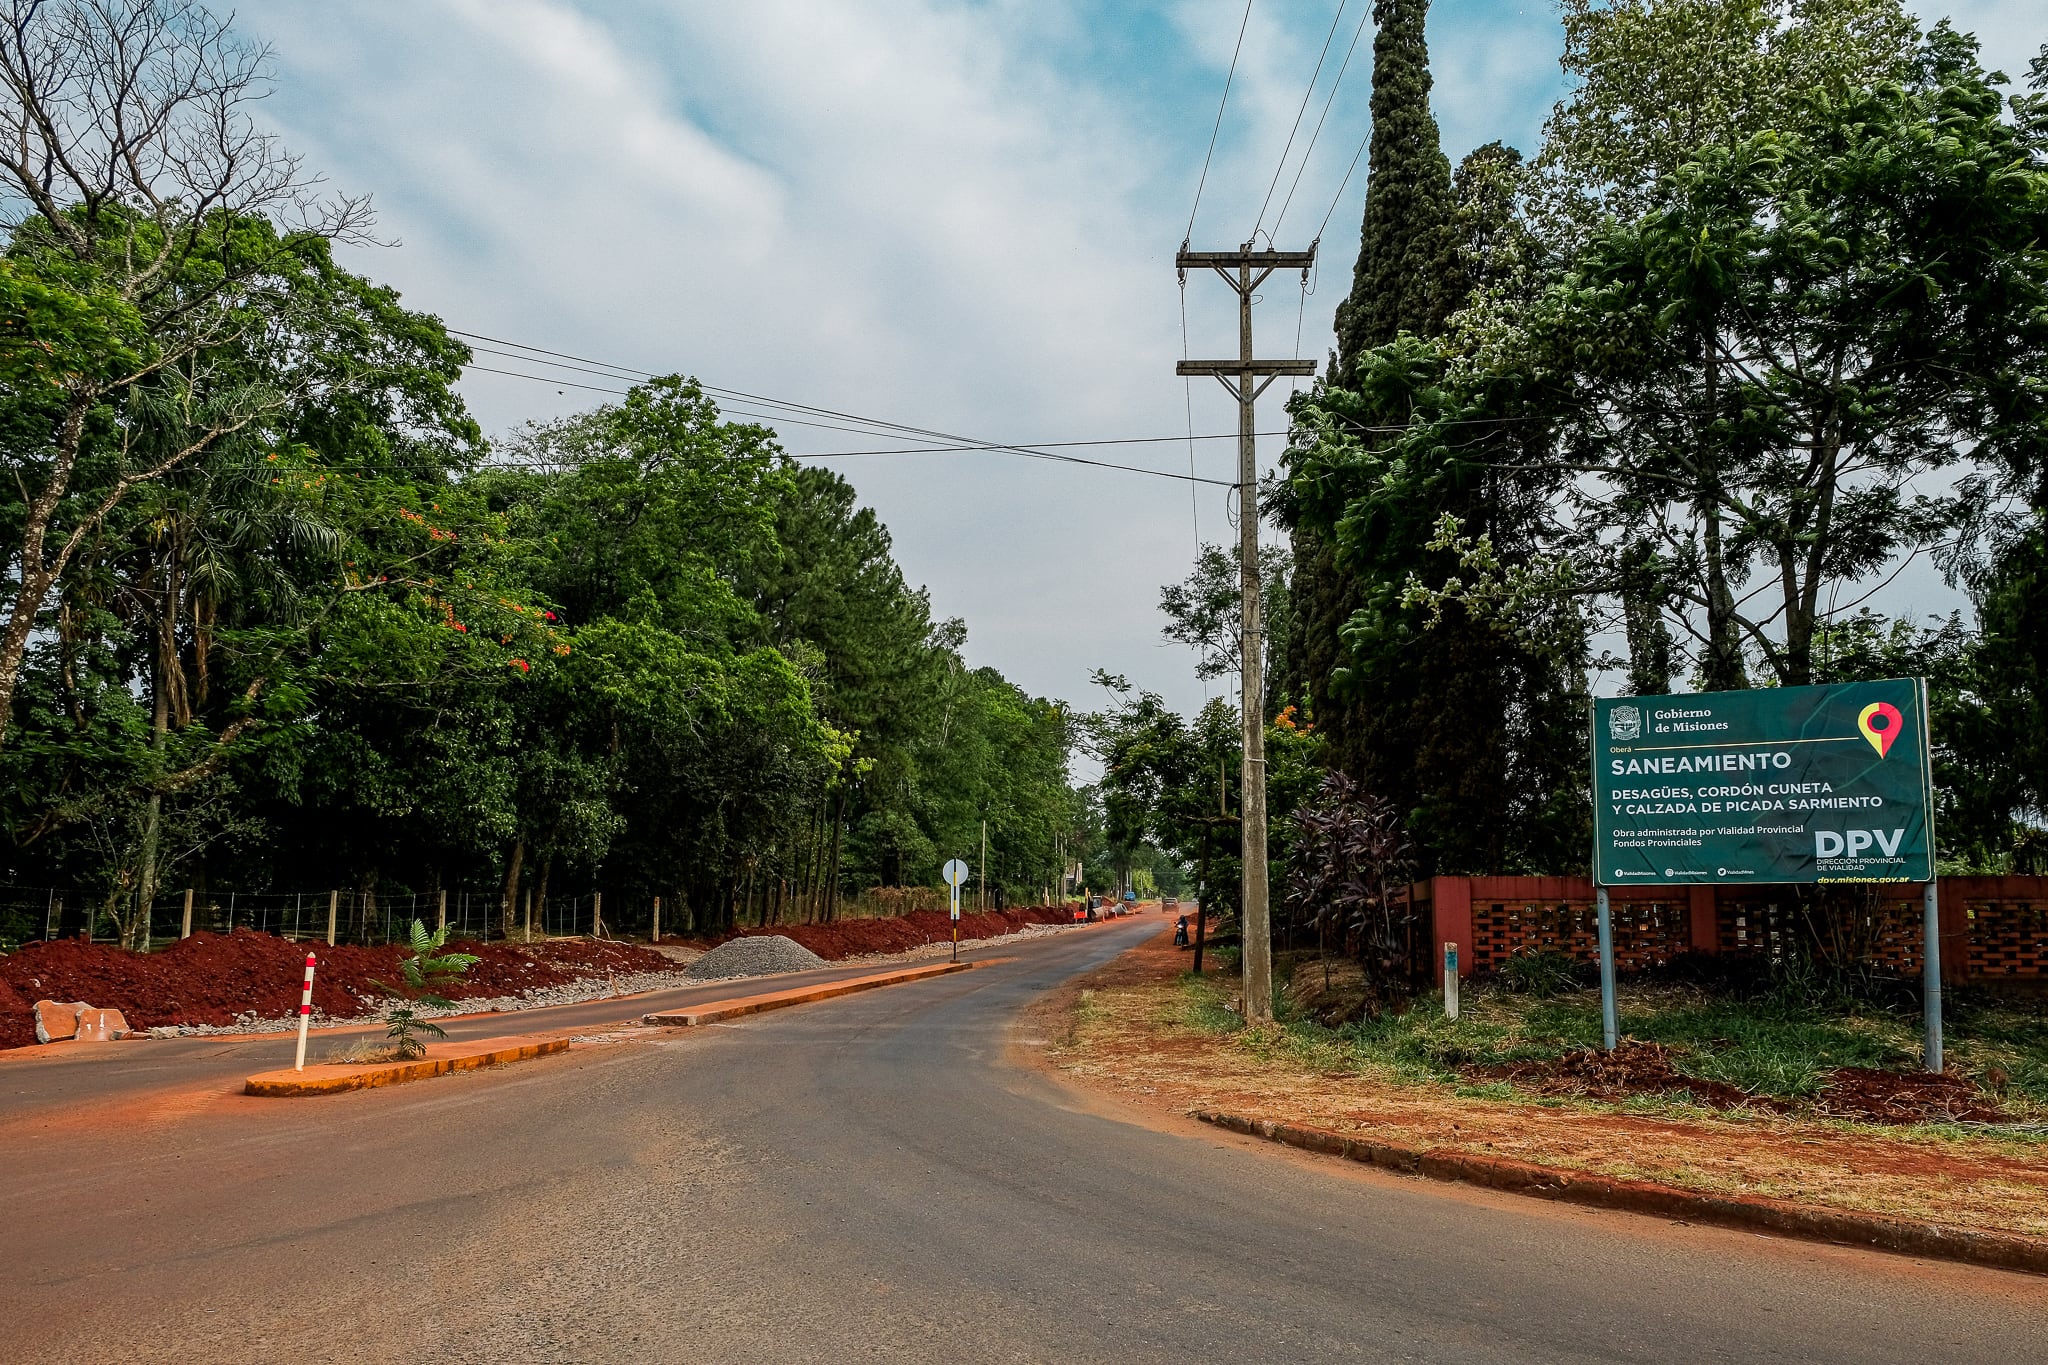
x,y
754,955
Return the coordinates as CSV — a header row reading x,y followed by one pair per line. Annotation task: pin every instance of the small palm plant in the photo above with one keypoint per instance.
x,y
427,968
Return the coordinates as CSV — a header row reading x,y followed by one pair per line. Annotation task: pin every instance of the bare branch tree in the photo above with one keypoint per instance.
x,y
130,165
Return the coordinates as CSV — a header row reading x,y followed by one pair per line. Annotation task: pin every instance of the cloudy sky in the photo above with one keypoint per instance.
x,y
951,214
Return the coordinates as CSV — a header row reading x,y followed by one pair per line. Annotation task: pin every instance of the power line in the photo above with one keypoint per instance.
x,y
1338,197
1243,23
1306,95
1356,33
960,443
1039,445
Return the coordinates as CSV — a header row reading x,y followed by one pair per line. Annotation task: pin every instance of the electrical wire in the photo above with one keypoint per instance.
x,y
1243,24
1338,197
1306,95
961,444
1356,34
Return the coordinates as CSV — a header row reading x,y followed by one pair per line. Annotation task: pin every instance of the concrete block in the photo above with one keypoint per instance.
x,y
101,1026
57,1021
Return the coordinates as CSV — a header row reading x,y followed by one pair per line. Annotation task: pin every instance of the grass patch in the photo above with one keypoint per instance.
x,y
1776,1045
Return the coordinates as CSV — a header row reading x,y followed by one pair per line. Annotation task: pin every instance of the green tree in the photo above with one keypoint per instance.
x,y
1762,368
142,207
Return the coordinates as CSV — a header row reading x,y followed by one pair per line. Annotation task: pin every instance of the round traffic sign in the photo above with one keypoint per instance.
x,y
955,873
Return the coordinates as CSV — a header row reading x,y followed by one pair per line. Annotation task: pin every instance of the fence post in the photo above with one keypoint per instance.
x,y
333,913
185,925
597,914
442,924
655,937
50,914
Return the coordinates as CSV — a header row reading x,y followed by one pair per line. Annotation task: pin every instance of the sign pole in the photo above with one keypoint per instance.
x,y
1930,919
1609,1025
955,873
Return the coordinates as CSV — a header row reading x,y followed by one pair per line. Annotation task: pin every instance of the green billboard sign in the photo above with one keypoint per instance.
x,y
1776,784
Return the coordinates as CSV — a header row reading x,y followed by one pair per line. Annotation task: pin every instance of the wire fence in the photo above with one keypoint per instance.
x,y
28,914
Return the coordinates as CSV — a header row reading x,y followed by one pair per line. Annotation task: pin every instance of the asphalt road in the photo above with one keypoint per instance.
x,y
46,1084
865,1179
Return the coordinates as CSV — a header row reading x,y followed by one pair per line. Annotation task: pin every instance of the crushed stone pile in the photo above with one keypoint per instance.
x,y
753,955
857,937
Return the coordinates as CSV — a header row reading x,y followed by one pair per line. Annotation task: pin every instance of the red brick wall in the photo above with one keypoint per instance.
x,y
1991,927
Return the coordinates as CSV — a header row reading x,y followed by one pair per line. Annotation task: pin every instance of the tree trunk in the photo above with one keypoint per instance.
x,y
152,820
1722,669
509,906
540,896
832,881
36,576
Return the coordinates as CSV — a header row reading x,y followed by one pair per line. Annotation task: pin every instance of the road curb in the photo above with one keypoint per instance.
x,y
717,1011
1753,1213
333,1079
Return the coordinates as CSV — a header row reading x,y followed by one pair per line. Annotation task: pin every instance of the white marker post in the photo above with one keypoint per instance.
x,y
1450,981
305,1014
955,873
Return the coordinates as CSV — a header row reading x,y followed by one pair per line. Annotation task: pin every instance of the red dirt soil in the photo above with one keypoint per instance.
x,y
852,937
1849,1092
211,978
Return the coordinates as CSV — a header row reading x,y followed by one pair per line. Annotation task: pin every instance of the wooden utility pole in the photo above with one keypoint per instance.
x,y
983,888
1245,270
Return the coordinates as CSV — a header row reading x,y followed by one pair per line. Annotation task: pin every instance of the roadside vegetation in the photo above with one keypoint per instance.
x,y
277,616
1777,1044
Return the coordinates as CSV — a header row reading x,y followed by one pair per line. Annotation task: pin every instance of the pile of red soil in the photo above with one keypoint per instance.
x,y
1858,1092
852,937
212,978
1633,1068
1850,1092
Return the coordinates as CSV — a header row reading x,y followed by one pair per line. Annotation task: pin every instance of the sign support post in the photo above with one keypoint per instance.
x,y
955,872
1610,1023
1930,968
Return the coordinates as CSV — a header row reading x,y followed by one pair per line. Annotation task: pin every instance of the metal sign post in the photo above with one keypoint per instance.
x,y
955,873
1776,785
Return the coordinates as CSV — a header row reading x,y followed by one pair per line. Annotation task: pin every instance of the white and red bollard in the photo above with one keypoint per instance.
x,y
305,1014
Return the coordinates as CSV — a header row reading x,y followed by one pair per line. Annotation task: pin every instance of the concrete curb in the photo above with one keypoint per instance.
x,y
2002,1251
333,1079
718,1010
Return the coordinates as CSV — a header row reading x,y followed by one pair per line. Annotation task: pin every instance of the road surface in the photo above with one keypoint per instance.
x,y
871,1178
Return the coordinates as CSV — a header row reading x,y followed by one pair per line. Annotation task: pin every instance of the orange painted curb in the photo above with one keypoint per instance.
x,y
332,1079
739,1006
2003,1251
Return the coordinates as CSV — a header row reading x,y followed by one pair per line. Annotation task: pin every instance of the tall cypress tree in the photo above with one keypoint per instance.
x,y
1398,283
1405,249
1458,725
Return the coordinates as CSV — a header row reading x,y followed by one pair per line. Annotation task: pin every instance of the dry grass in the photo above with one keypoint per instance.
x,y
1143,1031
362,1052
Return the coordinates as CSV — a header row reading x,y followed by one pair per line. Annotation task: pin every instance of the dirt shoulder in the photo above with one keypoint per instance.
x,y
1138,1030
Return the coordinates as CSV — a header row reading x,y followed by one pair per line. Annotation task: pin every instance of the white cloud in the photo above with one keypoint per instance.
x,y
957,216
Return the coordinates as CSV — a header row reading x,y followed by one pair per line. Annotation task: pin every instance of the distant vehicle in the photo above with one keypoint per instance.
x,y
1171,903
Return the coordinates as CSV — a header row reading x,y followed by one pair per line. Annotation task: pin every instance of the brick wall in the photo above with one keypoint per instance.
x,y
1991,927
